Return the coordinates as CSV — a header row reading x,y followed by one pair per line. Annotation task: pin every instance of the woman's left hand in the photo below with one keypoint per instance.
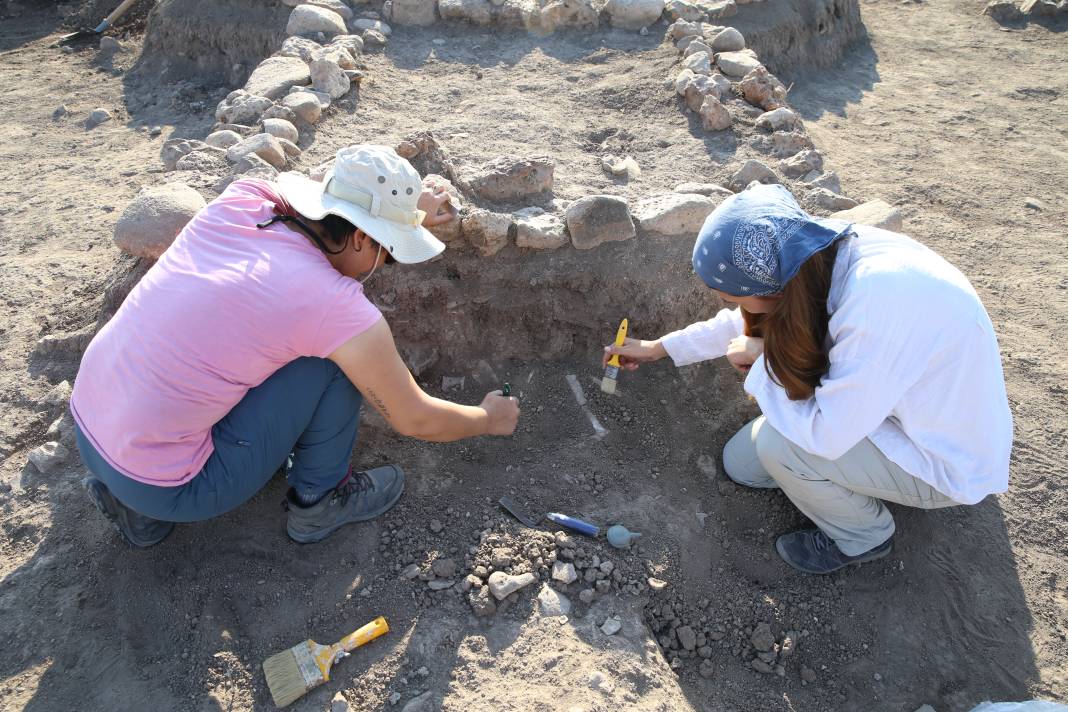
x,y
743,351
435,202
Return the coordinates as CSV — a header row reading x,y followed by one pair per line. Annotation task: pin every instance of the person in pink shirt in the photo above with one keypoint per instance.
x,y
250,345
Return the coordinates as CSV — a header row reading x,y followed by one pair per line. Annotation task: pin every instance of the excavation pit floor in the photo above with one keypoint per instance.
x,y
970,606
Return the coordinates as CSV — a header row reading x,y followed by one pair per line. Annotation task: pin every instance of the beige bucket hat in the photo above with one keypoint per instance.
x,y
374,189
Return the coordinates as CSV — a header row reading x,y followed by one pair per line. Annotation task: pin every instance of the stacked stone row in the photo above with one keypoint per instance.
x,y
546,16
721,79
258,128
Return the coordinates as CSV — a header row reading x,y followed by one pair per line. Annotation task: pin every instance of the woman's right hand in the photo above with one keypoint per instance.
x,y
502,413
634,352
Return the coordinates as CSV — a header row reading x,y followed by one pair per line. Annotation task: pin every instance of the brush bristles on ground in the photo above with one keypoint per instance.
x,y
284,678
608,385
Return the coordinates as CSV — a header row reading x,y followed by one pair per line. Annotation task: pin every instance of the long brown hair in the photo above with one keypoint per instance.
x,y
794,331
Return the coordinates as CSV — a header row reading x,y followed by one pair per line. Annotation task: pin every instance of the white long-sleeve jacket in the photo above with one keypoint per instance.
x,y
914,366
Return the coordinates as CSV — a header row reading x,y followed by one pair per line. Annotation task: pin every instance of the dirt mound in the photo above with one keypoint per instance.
x,y
225,38
795,34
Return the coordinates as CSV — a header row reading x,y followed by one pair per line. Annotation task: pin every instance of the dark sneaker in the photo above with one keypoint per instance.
x,y
813,552
362,496
137,530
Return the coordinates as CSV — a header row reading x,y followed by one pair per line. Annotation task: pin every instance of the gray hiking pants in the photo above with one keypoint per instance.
x,y
842,497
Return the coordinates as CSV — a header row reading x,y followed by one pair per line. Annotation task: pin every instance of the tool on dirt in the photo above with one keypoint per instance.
x,y
293,672
611,371
576,524
512,508
620,537
599,431
99,29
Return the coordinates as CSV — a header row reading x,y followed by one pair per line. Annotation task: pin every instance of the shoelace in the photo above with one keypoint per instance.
x,y
357,482
821,541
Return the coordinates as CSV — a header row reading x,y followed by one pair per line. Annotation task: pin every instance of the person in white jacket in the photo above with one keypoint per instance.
x,y
873,361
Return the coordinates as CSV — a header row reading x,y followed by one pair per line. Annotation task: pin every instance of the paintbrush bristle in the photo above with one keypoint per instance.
x,y
285,679
608,385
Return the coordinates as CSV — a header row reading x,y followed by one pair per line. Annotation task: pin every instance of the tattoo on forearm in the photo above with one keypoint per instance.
x,y
379,404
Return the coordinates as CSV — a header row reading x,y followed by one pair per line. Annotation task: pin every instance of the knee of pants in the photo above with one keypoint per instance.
x,y
773,450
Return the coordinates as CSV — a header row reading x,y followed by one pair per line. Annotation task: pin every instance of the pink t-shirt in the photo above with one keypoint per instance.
x,y
226,306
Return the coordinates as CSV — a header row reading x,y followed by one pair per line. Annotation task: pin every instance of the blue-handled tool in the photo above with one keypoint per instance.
x,y
576,524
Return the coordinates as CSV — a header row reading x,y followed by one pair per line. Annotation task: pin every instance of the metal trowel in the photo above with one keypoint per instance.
x,y
512,508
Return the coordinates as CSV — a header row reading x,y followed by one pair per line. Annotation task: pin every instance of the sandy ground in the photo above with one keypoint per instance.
x,y
959,125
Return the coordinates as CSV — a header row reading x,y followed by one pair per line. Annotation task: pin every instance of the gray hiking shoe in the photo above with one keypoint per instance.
x,y
361,496
813,552
137,530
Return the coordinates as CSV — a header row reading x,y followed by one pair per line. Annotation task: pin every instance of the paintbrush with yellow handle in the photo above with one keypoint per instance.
x,y
611,371
293,672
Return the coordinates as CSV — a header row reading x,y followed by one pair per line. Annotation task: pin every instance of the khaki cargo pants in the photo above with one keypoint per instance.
x,y
843,497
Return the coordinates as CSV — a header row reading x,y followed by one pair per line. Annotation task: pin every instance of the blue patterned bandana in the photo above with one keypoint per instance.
x,y
755,241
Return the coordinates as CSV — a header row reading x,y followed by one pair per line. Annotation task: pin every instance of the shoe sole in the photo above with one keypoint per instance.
x,y
856,562
313,538
104,501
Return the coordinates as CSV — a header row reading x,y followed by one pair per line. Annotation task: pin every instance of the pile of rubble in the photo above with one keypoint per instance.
x,y
507,560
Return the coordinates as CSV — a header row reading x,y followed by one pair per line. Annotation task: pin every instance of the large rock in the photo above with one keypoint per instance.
x,y
486,231
763,89
597,219
154,218
240,107
674,214
802,163
364,24
304,105
328,75
823,198
828,180
478,12
783,144
538,230
634,14
1003,10
310,19
877,213
299,47
275,75
280,128
209,159
413,12
736,64
263,145
505,180
552,603
781,119
709,189
698,63
752,170
721,9
684,10
568,13
48,457
682,28
714,115
701,87
223,139
174,148
728,40
502,585
352,43
334,5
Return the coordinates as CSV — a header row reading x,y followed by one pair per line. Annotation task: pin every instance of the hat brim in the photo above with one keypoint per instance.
x,y
408,244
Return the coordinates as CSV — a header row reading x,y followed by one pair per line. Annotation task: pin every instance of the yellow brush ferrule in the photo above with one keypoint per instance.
x,y
621,336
